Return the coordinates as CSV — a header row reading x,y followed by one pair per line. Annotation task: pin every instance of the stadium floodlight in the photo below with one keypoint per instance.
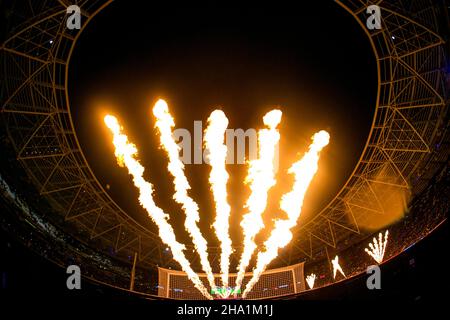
x,y
377,249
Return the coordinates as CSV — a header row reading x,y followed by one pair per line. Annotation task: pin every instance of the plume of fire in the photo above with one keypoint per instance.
x,y
378,247
291,203
310,280
218,178
126,154
164,124
337,267
261,177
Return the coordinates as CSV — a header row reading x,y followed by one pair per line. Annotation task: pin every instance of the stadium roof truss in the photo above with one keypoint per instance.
x,y
407,125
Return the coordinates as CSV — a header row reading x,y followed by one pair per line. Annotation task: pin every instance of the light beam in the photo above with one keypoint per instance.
x,y
310,280
378,247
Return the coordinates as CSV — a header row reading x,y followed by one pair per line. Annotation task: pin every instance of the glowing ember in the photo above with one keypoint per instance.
x,y
261,177
165,123
310,280
218,178
378,247
291,203
336,267
126,154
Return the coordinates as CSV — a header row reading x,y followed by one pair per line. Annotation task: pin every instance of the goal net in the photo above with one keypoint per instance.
x,y
272,283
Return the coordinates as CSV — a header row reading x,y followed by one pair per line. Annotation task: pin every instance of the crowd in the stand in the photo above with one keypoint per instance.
x,y
20,220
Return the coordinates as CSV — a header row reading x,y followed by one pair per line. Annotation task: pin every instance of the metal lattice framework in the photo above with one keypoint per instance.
x,y
410,106
408,122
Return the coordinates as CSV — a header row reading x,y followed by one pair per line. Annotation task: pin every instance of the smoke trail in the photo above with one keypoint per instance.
x,y
218,178
164,124
261,176
126,154
291,203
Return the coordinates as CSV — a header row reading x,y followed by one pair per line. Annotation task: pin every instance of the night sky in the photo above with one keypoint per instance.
x,y
314,62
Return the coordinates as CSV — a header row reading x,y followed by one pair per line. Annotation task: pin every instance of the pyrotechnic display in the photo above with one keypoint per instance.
x,y
337,267
310,279
261,178
191,152
377,249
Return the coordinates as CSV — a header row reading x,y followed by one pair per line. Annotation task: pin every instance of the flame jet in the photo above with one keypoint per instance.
x,y
164,124
337,267
310,280
291,203
218,178
261,177
126,154
378,247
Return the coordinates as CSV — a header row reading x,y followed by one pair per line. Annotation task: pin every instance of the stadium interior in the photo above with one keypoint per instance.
x,y
55,212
